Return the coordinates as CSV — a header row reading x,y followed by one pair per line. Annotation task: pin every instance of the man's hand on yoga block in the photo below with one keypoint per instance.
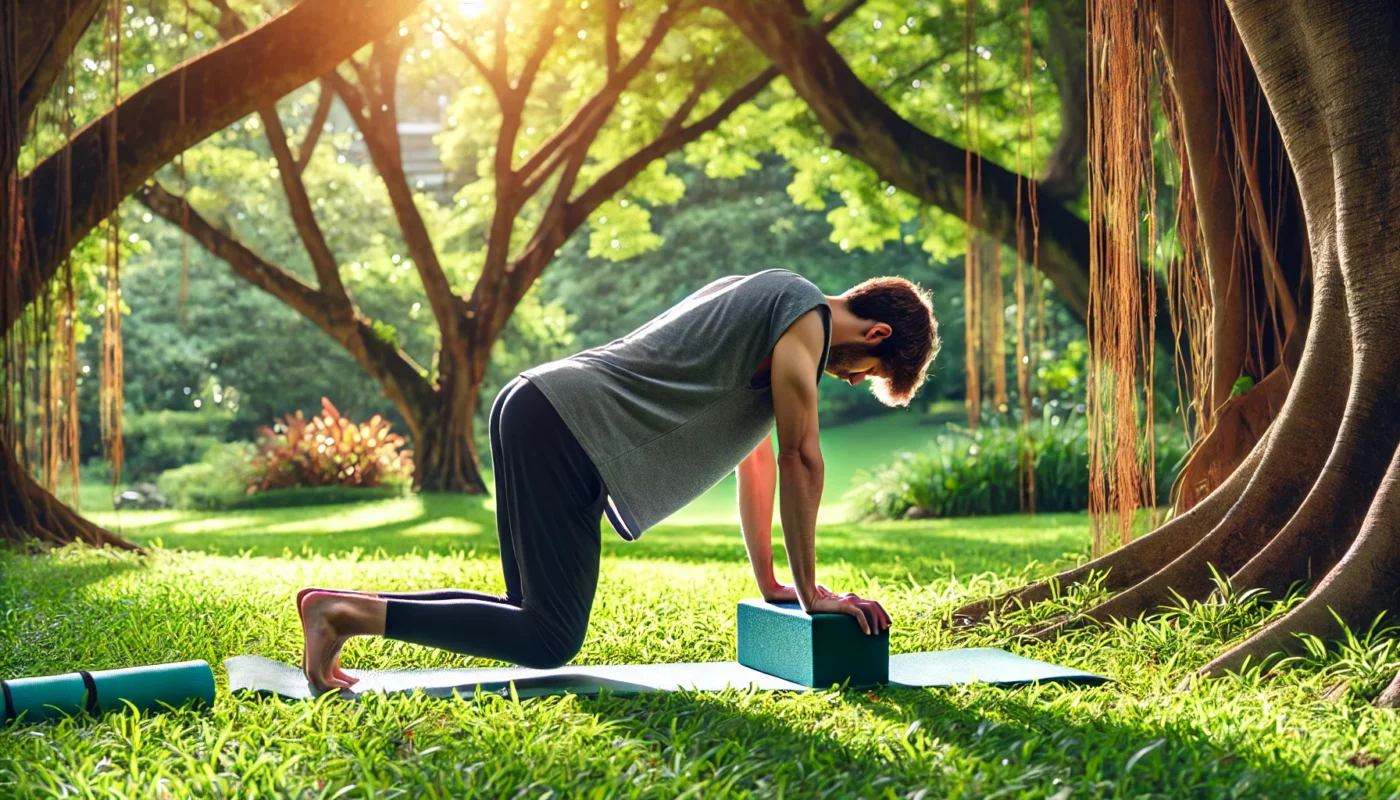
x,y
783,593
869,613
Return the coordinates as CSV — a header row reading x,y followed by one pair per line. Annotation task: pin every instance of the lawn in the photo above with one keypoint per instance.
x,y
216,585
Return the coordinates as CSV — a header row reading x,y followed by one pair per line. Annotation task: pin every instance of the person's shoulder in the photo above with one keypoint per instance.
x,y
807,333
785,279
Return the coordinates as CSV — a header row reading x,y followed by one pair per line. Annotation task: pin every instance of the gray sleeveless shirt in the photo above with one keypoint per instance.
x,y
670,409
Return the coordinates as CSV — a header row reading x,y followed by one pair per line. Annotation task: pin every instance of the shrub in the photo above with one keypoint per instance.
x,y
329,450
157,441
318,496
219,481
975,473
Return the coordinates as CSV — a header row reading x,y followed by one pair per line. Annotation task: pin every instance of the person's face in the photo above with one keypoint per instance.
x,y
851,363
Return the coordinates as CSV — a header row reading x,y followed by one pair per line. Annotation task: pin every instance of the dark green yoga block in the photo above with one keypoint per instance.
x,y
817,650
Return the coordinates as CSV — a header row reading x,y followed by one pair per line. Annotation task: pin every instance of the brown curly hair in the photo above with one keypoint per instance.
x,y
913,341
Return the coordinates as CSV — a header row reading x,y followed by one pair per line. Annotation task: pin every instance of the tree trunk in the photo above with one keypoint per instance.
x,y
30,514
1322,499
445,458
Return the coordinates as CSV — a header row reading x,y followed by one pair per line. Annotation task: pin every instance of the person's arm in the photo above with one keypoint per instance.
x,y
757,475
801,471
796,358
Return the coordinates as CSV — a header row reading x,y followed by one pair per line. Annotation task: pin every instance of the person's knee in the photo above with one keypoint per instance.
x,y
554,649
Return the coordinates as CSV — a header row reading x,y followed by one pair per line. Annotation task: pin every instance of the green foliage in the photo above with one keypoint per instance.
x,y
161,440
218,481
1361,663
976,473
913,58
319,496
329,450
1242,385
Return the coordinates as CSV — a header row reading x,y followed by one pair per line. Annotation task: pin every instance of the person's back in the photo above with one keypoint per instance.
x,y
668,410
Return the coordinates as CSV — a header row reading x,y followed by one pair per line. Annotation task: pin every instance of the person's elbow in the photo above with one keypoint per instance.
x,y
804,461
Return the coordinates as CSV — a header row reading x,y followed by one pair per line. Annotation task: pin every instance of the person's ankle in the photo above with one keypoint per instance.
x,y
355,615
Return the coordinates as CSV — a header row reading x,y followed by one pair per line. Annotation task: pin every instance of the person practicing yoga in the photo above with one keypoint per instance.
x,y
636,429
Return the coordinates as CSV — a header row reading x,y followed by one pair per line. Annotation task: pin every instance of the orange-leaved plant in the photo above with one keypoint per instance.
x,y
329,450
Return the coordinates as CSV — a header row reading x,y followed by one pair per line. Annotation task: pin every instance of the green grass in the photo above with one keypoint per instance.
x,y
216,585
227,588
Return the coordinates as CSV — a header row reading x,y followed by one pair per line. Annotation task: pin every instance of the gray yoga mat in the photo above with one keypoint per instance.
x,y
943,668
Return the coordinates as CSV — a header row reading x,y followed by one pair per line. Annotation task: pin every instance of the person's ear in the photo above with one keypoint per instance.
x,y
878,332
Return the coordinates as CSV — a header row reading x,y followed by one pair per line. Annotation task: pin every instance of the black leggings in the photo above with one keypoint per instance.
x,y
549,505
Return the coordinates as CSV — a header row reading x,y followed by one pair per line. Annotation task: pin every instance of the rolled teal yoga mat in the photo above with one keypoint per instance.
x,y
148,688
155,687
45,698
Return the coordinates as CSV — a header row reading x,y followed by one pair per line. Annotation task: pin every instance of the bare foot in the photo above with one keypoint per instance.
x,y
324,628
336,671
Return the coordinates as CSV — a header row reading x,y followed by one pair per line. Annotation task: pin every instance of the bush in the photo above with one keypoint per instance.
x,y
329,450
318,496
219,481
162,440
976,473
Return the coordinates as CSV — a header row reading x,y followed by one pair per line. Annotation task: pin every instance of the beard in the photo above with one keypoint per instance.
x,y
842,358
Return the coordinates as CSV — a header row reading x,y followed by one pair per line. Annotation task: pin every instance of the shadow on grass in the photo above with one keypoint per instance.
x,y
438,523
441,523
1004,743
926,551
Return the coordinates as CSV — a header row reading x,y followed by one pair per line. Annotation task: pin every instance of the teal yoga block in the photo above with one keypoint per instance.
x,y
816,650
149,688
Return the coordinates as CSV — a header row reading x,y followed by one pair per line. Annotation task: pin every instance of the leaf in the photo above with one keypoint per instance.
x,y
1138,756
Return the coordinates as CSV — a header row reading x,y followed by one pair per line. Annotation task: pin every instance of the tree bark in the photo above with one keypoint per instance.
x,y
1322,502
1189,47
446,459
48,33
1063,179
29,514
220,87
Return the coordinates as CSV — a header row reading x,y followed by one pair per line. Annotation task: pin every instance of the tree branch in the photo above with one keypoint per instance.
x,y
495,80
318,122
221,86
380,129
612,15
702,85
48,34
402,378
568,216
916,71
289,171
581,118
549,24
501,54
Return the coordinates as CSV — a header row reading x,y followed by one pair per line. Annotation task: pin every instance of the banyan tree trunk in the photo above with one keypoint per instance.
x,y
30,514
1318,499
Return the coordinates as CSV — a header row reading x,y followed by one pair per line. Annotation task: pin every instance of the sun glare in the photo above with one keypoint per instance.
x,y
474,8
